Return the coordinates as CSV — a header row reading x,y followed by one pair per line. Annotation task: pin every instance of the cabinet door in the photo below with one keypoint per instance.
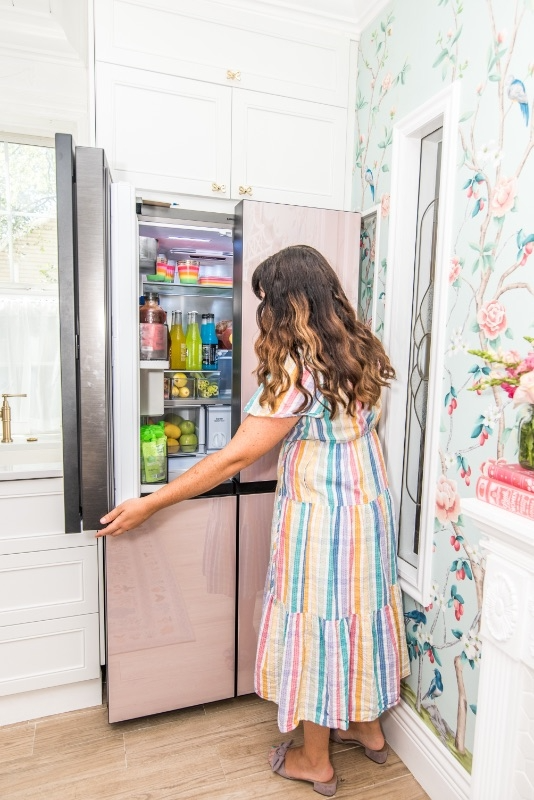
x,y
264,229
162,133
255,518
288,151
170,600
211,41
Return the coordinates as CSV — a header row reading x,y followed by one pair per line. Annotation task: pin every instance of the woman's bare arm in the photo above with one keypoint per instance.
x,y
254,438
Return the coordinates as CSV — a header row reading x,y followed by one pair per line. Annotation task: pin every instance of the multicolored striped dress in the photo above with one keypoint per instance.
x,y
331,646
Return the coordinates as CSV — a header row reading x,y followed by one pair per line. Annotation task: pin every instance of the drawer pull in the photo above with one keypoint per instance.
x,y
245,190
218,187
233,76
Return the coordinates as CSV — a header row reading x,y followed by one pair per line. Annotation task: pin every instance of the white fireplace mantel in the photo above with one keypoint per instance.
x,y
503,758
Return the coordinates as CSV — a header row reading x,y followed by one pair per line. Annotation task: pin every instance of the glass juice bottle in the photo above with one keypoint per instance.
x,y
178,345
153,331
209,342
193,343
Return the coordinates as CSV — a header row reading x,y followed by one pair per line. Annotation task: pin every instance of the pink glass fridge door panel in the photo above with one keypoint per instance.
x,y
255,518
170,603
267,228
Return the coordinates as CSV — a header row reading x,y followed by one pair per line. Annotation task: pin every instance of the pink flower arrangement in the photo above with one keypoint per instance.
x,y
509,371
447,500
503,198
492,319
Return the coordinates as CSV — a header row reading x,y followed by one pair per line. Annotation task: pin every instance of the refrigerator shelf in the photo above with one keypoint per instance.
x,y
220,400
187,290
155,366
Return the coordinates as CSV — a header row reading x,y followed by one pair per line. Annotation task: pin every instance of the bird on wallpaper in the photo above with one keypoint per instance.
x,y
436,686
517,93
371,181
417,616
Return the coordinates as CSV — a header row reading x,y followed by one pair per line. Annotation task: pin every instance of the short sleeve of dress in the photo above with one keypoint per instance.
x,y
288,403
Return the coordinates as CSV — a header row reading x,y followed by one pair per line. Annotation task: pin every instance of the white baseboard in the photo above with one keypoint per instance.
x,y
53,700
431,764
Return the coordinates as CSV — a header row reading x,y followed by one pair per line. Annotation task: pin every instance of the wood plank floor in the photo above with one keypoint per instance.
x,y
212,752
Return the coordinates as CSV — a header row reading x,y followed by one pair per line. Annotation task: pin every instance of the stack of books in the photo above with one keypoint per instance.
x,y
508,486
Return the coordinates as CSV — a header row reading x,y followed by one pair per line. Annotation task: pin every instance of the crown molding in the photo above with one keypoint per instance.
x,y
33,34
371,14
294,12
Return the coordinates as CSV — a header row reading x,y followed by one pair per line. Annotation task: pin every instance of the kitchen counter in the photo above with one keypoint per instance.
x,y
27,460
19,472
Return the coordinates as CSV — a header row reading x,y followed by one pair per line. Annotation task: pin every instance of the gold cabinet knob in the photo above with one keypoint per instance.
x,y
233,75
245,190
218,187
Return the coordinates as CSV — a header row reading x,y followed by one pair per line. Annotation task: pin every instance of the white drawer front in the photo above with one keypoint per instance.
x,y
32,509
43,654
48,584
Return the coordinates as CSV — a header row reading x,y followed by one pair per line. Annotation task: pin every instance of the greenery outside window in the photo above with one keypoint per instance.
x,y
29,316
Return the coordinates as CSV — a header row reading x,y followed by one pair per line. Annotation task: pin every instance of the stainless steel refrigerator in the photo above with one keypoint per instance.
x,y
183,592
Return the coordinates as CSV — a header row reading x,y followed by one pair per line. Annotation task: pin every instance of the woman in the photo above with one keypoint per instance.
x,y
331,648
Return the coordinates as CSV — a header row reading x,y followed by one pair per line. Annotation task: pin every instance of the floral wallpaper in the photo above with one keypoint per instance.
x,y
412,50
367,267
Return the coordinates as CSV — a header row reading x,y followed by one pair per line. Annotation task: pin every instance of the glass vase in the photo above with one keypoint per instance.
x,y
526,439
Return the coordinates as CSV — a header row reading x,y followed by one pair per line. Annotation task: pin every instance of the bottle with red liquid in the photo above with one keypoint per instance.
x,y
153,330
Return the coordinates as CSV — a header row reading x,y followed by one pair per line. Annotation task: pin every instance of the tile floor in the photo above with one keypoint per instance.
x,y
211,752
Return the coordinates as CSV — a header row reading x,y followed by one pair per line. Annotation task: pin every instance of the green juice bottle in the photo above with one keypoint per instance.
x,y
193,341
178,343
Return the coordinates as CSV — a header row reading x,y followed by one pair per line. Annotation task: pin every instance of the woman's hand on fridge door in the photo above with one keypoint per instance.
x,y
253,439
125,517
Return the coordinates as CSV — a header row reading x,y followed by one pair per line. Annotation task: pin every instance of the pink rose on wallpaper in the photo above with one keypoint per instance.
x,y
447,500
386,83
492,319
503,196
525,391
384,206
454,269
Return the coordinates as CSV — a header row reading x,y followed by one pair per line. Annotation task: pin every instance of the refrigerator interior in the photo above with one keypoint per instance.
x,y
178,396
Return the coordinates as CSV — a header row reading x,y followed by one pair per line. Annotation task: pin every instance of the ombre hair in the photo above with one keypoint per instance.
x,y
305,315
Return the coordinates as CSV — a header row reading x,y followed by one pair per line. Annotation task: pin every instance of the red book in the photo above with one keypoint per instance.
x,y
513,474
506,497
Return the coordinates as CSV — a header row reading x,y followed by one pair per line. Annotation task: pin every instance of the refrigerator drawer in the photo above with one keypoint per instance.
x,y
170,591
218,427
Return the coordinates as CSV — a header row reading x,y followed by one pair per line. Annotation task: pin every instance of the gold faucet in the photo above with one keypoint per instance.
x,y
5,414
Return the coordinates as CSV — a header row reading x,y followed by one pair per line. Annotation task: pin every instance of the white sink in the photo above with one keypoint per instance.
x,y
20,458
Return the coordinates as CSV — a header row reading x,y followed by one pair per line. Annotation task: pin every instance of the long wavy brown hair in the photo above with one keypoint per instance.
x,y
305,314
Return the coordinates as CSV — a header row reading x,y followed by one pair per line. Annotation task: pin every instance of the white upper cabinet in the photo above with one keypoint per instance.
x,y
215,42
288,151
164,133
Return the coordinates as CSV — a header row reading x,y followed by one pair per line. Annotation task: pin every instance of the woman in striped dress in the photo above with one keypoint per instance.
x,y
331,650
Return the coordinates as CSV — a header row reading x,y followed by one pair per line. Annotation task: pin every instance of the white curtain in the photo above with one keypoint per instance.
x,y
30,361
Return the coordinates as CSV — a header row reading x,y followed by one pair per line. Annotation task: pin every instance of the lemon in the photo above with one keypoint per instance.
x,y
183,391
175,391
180,380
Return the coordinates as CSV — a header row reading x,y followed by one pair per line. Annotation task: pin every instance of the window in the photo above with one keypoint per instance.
x,y
29,317
420,242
